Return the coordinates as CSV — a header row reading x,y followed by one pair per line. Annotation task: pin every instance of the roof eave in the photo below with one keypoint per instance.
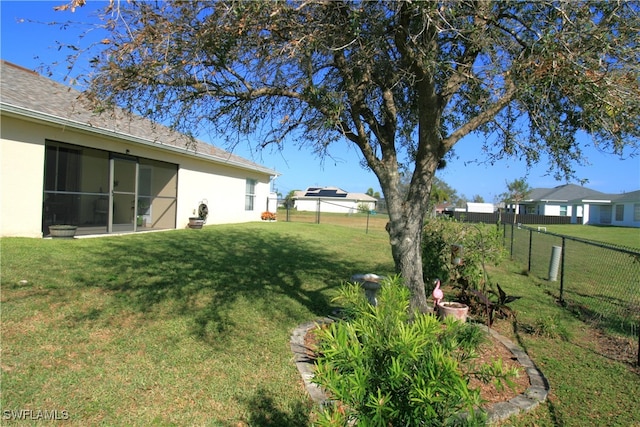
x,y
21,112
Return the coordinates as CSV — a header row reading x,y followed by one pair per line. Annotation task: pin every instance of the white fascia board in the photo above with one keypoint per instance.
x,y
595,201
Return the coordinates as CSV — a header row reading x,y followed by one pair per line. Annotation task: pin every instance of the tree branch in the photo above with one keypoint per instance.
x,y
483,117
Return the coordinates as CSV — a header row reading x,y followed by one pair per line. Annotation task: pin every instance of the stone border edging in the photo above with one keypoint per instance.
x,y
534,395
524,402
304,364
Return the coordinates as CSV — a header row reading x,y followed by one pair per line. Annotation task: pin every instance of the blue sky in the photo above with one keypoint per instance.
x,y
31,44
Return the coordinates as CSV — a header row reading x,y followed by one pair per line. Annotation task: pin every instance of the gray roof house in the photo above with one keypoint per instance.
x,y
61,163
584,205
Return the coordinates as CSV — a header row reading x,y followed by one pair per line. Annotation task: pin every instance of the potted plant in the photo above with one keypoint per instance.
x,y
456,310
63,231
197,222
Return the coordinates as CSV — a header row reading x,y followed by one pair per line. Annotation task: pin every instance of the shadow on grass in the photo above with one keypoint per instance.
x,y
614,314
201,274
262,412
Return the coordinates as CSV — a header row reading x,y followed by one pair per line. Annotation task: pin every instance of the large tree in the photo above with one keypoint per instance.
x,y
403,81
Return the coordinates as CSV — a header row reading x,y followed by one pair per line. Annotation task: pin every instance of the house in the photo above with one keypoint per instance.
x,y
584,205
333,199
473,207
113,172
616,209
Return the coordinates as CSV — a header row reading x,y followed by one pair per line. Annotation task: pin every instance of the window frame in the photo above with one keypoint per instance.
x,y
250,194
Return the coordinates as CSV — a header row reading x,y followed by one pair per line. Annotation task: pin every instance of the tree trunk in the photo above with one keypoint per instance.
x,y
405,236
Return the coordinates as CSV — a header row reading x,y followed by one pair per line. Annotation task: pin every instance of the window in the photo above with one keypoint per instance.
x,y
605,214
619,212
636,212
563,210
62,168
250,195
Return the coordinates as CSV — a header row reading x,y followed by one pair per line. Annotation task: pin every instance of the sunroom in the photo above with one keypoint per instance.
x,y
105,192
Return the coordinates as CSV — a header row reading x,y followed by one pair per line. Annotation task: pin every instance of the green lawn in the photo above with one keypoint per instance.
x,y
621,236
192,327
597,280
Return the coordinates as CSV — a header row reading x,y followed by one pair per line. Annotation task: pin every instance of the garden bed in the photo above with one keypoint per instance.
x,y
489,351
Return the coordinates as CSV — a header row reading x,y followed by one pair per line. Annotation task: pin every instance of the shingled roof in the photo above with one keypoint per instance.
x,y
564,193
29,95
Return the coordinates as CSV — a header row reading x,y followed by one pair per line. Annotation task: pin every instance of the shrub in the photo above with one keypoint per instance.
x,y
364,207
482,245
268,216
494,304
385,367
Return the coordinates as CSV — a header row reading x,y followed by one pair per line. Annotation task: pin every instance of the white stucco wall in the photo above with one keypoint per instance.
x,y
224,189
21,181
553,209
480,207
22,145
627,220
599,214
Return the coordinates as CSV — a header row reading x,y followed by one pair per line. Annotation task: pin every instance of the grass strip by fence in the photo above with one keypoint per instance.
x,y
597,280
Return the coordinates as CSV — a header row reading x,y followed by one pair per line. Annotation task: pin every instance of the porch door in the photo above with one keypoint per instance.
x,y
124,187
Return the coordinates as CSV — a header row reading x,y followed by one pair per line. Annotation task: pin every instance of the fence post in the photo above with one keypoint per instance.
x,y
512,233
288,219
368,213
562,272
318,212
530,246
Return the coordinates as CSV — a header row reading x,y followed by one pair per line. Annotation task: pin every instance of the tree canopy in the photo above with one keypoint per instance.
x,y
403,81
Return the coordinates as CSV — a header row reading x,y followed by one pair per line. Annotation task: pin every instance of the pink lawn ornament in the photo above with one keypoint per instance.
x,y
437,294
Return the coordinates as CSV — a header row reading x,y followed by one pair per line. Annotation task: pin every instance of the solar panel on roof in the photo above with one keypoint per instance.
x,y
329,193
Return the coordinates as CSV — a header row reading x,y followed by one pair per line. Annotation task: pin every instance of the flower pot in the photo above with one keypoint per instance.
x,y
196,222
453,309
62,231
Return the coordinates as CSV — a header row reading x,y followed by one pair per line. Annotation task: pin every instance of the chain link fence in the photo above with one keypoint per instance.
x,y
328,212
599,282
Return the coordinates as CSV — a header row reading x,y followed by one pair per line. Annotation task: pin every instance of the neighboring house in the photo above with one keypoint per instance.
x,y
592,207
332,199
616,209
110,173
470,207
473,207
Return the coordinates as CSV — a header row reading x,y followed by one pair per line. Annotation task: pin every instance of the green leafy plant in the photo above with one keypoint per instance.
x,y
494,303
481,244
550,327
438,235
385,366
